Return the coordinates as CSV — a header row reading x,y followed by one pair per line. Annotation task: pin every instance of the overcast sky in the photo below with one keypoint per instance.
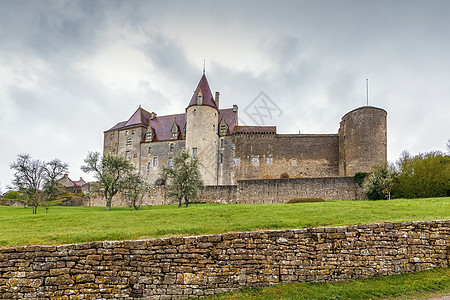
x,y
70,70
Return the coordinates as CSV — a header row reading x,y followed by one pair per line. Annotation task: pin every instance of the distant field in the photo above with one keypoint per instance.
x,y
82,224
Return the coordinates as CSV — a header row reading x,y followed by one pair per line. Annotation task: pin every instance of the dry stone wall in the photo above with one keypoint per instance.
x,y
181,267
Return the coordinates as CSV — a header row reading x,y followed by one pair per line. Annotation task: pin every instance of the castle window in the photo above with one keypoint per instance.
x,y
214,127
149,136
255,161
128,141
127,155
174,134
237,160
194,153
221,158
200,98
149,149
126,132
222,143
135,155
269,160
294,162
149,166
170,162
155,162
171,147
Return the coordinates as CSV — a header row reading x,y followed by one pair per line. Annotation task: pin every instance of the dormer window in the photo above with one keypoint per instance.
x,y
199,98
223,127
149,135
175,131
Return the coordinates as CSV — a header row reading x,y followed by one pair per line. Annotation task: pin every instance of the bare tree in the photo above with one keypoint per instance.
x,y
29,178
54,169
184,177
110,170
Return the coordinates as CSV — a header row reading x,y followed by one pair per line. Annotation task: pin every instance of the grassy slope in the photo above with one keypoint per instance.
x,y
422,285
81,224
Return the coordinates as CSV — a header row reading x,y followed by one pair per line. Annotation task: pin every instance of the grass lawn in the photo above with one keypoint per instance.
x,y
422,285
82,224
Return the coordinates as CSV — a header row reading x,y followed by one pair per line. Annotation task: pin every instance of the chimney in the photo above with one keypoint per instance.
x,y
217,99
235,107
152,115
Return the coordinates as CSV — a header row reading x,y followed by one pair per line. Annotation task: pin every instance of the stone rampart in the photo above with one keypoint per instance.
x,y
181,267
260,191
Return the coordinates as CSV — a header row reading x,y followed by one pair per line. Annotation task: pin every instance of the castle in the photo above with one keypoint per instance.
x,y
229,153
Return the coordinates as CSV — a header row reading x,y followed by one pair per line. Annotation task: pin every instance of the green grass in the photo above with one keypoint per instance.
x,y
422,285
82,224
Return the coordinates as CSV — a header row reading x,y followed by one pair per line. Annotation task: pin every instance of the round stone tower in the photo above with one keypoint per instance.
x,y
362,140
202,137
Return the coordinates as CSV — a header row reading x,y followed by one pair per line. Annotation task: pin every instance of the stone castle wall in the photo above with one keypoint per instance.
x,y
362,140
267,156
181,267
259,191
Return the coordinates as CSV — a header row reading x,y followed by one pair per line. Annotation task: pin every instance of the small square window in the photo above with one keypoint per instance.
x,y
294,162
255,161
237,160
128,141
170,162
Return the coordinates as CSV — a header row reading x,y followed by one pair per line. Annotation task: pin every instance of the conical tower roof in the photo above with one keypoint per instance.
x,y
208,99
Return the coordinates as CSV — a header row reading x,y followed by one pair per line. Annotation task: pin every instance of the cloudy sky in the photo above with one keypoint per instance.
x,y
70,70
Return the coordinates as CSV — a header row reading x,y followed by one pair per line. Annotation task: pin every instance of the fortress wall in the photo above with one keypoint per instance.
x,y
182,267
283,190
298,155
363,140
260,191
226,174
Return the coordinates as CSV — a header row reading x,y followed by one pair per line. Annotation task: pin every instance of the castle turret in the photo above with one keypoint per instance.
x,y
202,132
362,140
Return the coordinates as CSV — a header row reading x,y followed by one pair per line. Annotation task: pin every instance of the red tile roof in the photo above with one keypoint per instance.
x,y
230,118
140,116
206,91
162,125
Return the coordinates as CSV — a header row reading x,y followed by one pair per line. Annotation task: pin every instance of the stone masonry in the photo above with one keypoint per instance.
x,y
182,267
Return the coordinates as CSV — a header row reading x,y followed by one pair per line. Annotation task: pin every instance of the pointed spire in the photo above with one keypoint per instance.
x,y
204,62
204,90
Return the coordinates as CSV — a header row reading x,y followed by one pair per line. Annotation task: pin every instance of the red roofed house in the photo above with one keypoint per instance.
x,y
228,152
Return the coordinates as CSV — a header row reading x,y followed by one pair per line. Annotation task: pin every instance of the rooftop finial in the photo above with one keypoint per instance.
x,y
204,61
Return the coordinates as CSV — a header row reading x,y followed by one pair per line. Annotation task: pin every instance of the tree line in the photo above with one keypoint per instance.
x,y
412,176
37,183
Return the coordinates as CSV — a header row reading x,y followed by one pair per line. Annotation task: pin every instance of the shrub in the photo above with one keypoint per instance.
x,y
284,175
305,200
13,195
359,177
